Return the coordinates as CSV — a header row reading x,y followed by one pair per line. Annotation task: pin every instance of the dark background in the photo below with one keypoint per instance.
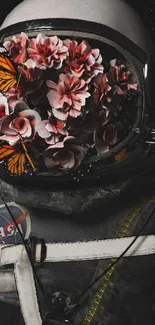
x,y
146,9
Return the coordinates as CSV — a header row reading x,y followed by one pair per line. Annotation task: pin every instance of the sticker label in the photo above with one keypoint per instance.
x,y
9,233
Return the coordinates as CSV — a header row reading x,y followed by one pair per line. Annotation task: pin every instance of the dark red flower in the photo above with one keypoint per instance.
x,y
105,137
108,93
29,74
102,89
122,76
64,155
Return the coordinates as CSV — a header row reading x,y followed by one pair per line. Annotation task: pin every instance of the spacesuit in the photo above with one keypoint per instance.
x,y
84,224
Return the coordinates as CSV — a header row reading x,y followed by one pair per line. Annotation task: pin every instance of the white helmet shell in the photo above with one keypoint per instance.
x,y
117,15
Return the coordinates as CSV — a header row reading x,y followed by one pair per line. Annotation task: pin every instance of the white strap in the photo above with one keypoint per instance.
x,y
25,284
27,291
101,249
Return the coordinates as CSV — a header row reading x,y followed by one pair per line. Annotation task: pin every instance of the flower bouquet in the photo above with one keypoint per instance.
x,y
69,104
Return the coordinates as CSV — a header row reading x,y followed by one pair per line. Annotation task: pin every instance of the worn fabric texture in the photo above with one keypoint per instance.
x,y
127,293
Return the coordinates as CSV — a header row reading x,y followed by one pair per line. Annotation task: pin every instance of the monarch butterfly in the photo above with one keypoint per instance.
x,y
8,72
15,160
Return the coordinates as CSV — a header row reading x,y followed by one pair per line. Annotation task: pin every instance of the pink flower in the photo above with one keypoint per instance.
x,y
17,48
46,52
13,96
82,59
4,107
51,130
105,137
65,155
67,97
22,123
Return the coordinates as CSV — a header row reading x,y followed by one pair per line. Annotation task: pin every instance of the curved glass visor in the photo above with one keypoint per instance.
x,y
96,92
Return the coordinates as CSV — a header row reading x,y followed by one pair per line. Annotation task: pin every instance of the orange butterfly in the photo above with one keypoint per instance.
x,y
9,76
15,160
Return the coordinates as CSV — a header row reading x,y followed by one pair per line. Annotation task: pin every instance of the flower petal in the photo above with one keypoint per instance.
x,y
79,153
60,115
74,113
42,131
110,135
50,161
66,158
54,99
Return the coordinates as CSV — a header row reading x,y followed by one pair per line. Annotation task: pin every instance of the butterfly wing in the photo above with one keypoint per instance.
x,y
8,73
7,81
5,151
16,163
14,160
